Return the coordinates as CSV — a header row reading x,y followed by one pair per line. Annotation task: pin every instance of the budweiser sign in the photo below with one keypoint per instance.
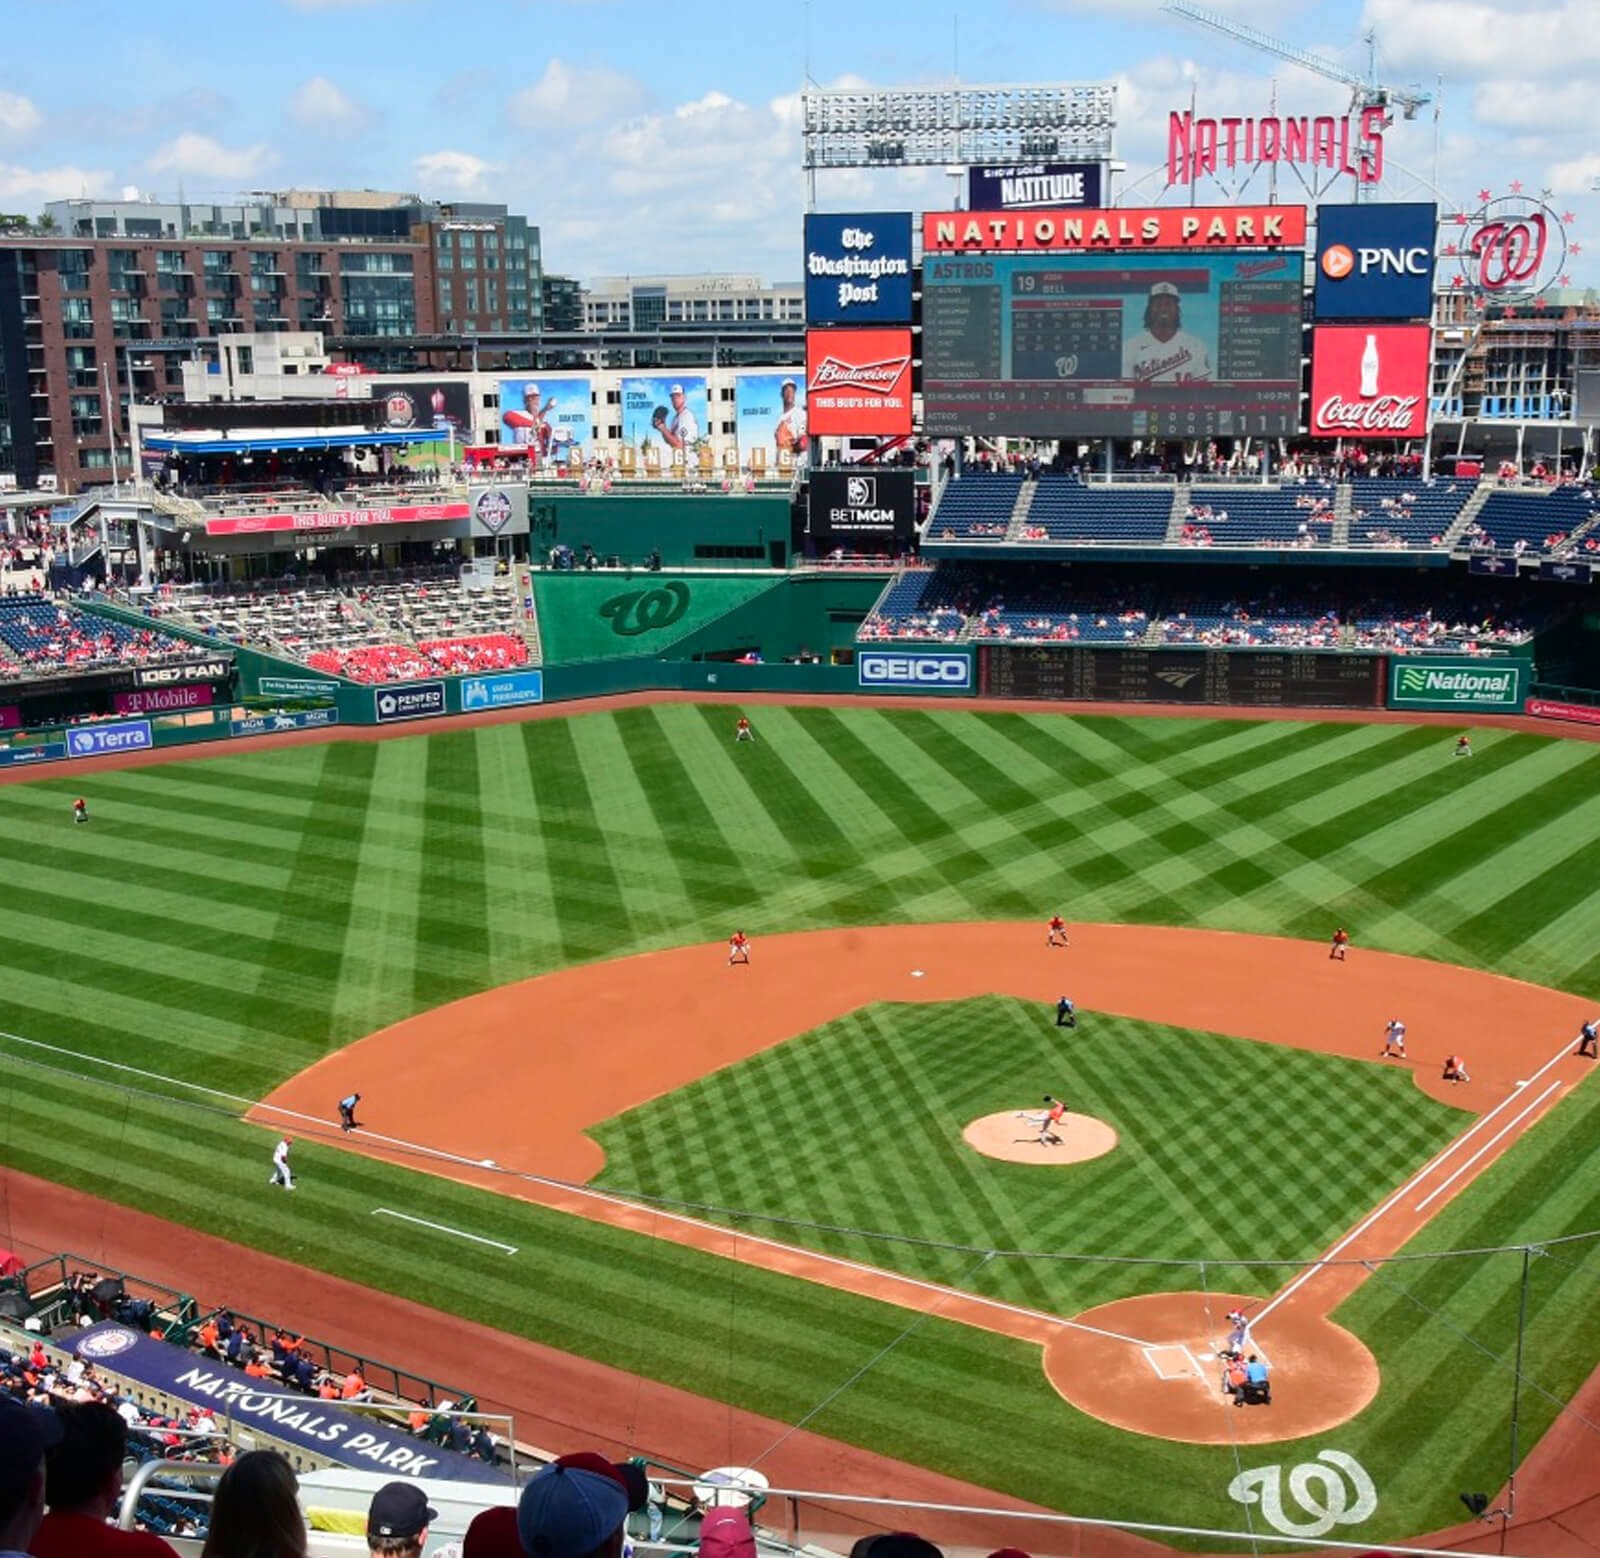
x,y
834,373
1391,415
858,382
1369,381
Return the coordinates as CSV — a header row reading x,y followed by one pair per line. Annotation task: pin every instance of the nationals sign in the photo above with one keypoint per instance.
x,y
858,382
1155,227
338,519
1369,381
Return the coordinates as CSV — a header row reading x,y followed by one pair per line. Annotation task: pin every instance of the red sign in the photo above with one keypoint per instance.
x,y
338,519
347,370
1580,713
1198,148
858,381
158,700
1155,227
10,717
1369,381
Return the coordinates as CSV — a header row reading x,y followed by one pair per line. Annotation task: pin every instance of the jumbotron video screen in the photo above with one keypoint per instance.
x,y
1155,345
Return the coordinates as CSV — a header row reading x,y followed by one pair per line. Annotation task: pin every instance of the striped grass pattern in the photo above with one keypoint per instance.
x,y
229,920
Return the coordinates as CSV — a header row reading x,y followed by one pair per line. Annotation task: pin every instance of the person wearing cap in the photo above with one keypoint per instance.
x,y
531,425
790,432
83,1487
280,1163
681,430
577,1507
398,1520
1164,352
25,1434
347,1112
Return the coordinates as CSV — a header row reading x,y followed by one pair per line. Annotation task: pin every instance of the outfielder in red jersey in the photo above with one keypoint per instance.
x,y
738,948
1341,944
742,730
1058,932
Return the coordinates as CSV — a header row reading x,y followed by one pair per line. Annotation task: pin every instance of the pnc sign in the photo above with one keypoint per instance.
x,y
1375,261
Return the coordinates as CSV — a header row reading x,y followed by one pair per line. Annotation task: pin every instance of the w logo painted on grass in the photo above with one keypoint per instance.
x,y
645,611
1329,1498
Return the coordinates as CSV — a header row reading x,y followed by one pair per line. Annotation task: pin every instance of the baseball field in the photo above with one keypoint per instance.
x,y
228,928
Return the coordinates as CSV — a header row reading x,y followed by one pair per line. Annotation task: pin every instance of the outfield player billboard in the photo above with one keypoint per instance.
x,y
858,382
769,414
1375,261
547,414
1370,381
667,413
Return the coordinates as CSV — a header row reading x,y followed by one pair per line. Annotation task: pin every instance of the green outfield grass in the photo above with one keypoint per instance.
x,y
1210,1131
229,920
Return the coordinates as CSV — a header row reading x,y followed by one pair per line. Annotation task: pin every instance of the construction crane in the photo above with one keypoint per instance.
x,y
1365,92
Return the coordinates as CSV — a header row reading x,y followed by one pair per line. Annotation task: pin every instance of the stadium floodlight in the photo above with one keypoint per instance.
x,y
965,125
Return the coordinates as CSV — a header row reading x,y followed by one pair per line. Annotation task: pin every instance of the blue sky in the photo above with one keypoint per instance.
x,y
666,138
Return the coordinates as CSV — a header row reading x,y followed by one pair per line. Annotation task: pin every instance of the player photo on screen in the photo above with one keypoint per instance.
x,y
1160,350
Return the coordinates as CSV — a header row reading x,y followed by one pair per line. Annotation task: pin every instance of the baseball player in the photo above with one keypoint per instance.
x,y
1164,352
1587,1044
80,810
1049,1121
1341,944
738,948
1066,1013
280,1164
1394,1041
347,1112
1455,1069
1057,936
742,730
1463,746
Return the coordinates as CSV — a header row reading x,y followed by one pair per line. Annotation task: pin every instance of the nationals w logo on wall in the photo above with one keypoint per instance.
x,y
858,382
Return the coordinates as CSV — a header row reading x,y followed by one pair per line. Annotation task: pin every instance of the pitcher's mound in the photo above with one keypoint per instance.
x,y
1014,1138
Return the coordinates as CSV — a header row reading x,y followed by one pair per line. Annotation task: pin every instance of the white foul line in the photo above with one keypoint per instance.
x,y
383,1211
1510,1125
1411,1184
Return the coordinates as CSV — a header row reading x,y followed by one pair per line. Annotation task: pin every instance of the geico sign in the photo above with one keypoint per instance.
x,y
1340,260
914,670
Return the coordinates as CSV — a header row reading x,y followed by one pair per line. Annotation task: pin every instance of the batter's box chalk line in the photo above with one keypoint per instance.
x,y
1172,1361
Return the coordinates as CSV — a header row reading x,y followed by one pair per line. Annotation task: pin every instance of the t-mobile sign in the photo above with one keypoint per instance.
x,y
1369,381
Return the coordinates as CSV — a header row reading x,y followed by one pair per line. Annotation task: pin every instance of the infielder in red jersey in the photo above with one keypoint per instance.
x,y
1057,932
738,948
1341,944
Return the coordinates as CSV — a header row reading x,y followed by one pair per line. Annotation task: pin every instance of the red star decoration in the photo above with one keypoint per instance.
x,y
1569,216
1458,281
1452,249
1566,281
1576,248
1538,303
1485,195
1516,186
1460,219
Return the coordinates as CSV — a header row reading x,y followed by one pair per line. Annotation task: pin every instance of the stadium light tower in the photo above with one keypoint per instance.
x,y
904,127
1365,91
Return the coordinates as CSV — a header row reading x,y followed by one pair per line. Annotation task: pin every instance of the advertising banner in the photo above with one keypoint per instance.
x,y
858,382
858,268
426,403
547,416
500,511
162,700
10,717
296,687
769,414
1369,382
44,752
1133,228
339,519
667,415
320,1428
1474,685
268,724
1552,708
502,692
897,671
1566,573
93,740
1029,186
1493,567
862,509
191,671
408,700
1375,261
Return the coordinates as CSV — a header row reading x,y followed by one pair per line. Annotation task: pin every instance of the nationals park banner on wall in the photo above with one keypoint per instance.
x,y
316,1427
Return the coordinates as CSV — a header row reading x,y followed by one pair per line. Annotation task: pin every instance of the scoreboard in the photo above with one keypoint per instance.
x,y
1187,345
1256,677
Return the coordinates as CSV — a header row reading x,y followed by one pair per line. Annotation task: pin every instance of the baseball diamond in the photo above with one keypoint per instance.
x,y
750,1183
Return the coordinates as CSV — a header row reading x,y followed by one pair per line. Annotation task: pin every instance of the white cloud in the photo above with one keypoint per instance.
x,y
18,116
575,95
21,186
1575,177
1532,105
199,156
320,104
1483,38
453,172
